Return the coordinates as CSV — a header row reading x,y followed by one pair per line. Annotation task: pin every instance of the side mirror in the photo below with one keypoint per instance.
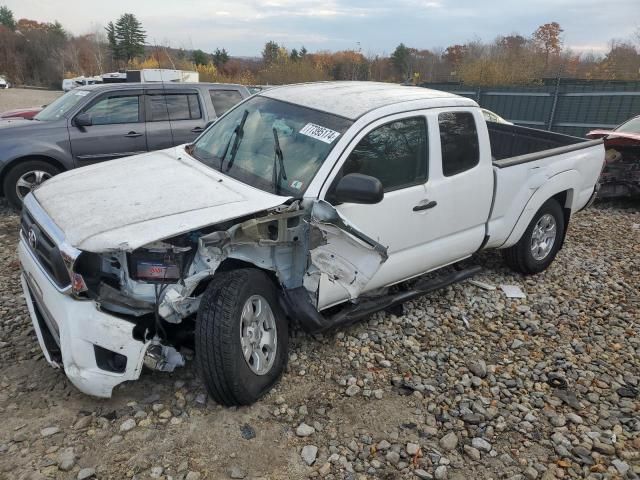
x,y
83,120
358,188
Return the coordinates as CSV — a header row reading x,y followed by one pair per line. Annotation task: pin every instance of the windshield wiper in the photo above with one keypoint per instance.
x,y
278,173
239,133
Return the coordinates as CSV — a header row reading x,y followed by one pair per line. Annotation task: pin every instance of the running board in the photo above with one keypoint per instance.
x,y
296,304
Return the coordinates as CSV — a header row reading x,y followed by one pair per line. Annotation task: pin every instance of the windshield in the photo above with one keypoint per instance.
x,y
272,145
632,126
62,105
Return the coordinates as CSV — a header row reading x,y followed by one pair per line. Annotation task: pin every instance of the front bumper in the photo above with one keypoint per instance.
x,y
71,332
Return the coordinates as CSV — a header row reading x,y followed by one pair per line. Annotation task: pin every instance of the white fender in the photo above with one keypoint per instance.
x,y
556,184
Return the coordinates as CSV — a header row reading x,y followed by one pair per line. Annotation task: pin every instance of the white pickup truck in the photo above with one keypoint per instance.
x,y
305,204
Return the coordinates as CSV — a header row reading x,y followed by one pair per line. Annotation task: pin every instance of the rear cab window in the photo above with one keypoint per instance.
x,y
223,100
458,142
173,106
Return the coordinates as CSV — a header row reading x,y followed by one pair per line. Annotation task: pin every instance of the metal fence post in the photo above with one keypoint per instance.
x,y
552,115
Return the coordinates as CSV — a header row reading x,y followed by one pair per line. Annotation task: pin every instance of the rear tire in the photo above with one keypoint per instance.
x,y
240,306
25,177
540,242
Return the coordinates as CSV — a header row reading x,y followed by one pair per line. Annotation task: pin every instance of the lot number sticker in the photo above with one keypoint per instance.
x,y
323,134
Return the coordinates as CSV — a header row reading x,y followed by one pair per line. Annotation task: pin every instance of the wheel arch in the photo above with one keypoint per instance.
x,y
16,161
558,188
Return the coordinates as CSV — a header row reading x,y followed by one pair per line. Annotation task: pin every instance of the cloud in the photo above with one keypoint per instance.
x,y
243,26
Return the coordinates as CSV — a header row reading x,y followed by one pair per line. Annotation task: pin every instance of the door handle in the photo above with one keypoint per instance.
x,y
133,134
197,130
425,206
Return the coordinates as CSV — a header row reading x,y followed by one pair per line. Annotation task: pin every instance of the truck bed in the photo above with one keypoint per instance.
x,y
513,144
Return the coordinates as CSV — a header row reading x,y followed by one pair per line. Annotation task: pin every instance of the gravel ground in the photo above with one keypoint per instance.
x,y
23,97
465,384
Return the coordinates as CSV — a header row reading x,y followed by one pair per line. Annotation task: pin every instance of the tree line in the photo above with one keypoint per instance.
x,y
37,53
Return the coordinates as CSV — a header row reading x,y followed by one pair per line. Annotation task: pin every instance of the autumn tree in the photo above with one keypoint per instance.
x,y
547,38
6,18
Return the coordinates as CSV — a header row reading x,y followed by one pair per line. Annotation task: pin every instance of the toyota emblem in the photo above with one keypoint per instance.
x,y
33,238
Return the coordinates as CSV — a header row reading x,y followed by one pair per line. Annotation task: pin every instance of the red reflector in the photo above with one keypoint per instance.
x,y
77,283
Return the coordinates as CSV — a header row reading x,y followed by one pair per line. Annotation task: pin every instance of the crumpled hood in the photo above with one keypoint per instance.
x,y
124,204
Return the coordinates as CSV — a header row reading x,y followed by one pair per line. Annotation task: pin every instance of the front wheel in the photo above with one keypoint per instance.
x,y
241,337
540,242
25,177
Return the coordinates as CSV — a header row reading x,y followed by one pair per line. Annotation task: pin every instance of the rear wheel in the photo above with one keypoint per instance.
x,y
25,177
241,337
540,242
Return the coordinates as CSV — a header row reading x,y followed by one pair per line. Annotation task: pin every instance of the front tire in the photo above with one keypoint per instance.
x,y
25,177
241,337
540,242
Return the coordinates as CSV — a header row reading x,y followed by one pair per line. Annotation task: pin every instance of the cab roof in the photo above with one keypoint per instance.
x,y
353,99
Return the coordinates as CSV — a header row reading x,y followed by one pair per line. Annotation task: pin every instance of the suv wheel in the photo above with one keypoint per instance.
x,y
25,177
241,337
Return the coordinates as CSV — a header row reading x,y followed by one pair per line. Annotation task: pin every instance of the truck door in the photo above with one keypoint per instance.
x,y
117,128
174,117
395,150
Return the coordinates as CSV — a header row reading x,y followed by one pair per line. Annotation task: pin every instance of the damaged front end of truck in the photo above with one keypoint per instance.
x,y
159,286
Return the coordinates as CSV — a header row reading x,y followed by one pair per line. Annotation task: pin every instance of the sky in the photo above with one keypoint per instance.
x,y
374,26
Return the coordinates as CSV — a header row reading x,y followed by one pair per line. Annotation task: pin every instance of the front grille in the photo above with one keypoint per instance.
x,y
45,250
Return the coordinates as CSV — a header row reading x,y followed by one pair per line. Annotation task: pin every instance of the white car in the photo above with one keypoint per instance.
x,y
303,203
4,83
490,116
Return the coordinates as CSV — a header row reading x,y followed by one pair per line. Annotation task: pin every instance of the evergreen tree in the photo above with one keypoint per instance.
x,y
270,52
303,52
220,57
6,18
126,37
200,58
294,55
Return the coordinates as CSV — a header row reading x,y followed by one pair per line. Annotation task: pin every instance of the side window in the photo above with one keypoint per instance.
x,y
223,100
395,153
459,142
174,106
112,110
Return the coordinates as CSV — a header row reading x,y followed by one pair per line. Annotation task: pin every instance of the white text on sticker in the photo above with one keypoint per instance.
x,y
323,134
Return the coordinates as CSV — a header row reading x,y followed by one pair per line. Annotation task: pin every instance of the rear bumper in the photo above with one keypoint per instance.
x,y
73,333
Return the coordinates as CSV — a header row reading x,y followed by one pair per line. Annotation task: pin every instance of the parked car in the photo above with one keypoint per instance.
x,y
24,113
621,175
4,83
304,203
490,116
102,122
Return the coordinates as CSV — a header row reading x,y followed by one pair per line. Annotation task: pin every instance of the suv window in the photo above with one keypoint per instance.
x,y
459,142
112,110
223,100
395,153
174,106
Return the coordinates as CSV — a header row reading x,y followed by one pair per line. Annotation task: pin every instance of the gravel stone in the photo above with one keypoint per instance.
x,y
440,473
309,454
449,441
86,473
481,444
127,425
305,430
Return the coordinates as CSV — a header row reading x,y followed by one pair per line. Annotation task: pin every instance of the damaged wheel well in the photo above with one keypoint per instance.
x,y
229,264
